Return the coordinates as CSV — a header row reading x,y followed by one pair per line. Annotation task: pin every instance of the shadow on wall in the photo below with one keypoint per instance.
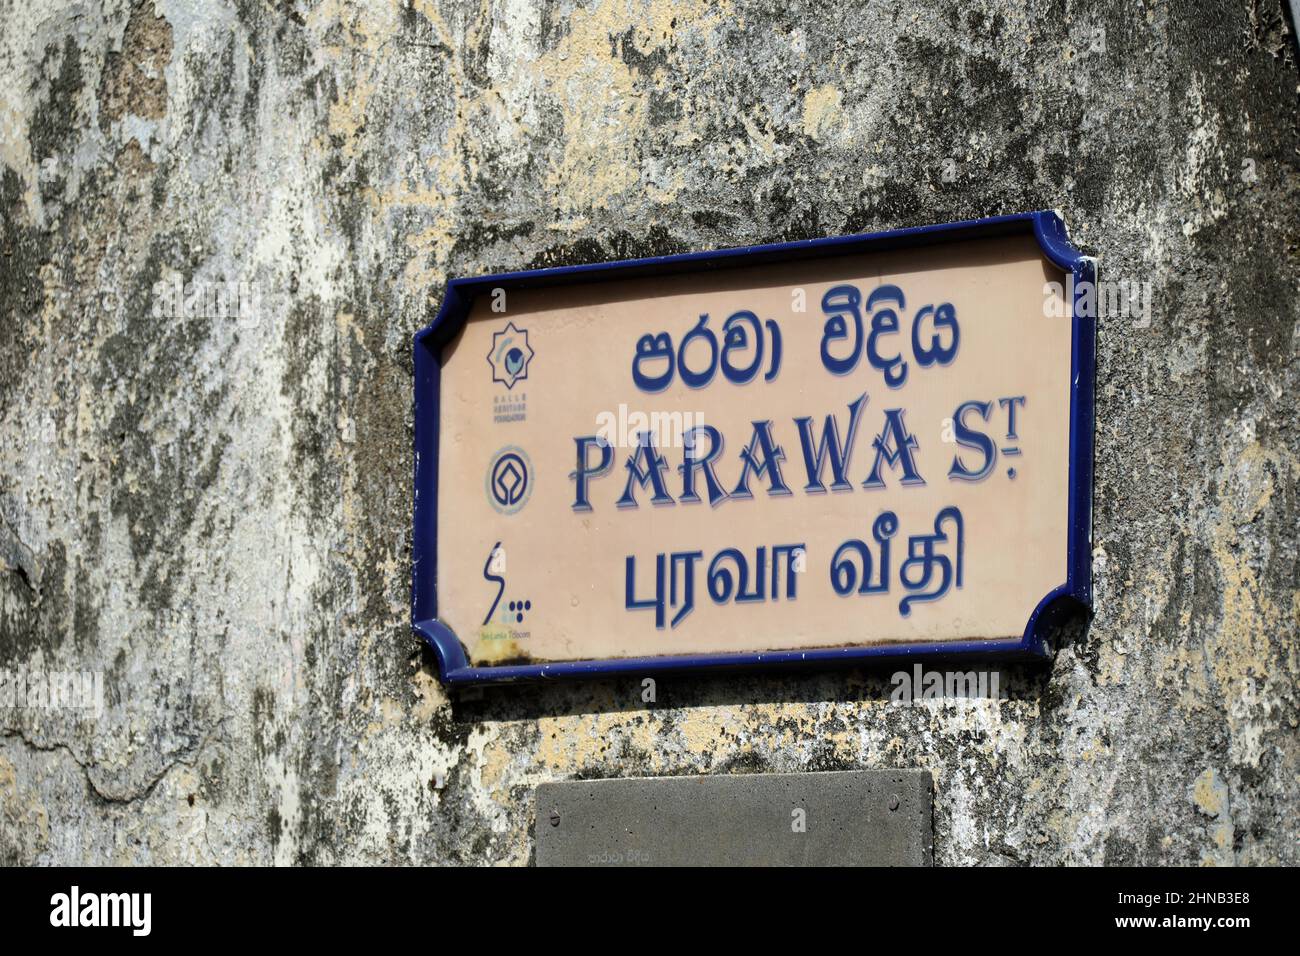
x,y
1019,681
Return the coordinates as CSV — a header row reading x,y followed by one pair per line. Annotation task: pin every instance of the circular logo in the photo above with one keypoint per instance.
x,y
509,480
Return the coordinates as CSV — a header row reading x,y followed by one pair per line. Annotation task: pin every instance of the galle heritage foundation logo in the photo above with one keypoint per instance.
x,y
510,355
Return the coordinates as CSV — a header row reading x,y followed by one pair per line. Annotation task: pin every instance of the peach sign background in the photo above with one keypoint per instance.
x,y
565,569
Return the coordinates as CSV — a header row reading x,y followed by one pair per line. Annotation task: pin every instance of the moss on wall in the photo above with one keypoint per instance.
x,y
212,509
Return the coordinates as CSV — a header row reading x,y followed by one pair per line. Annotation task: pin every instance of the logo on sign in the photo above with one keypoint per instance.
x,y
510,480
510,356
513,613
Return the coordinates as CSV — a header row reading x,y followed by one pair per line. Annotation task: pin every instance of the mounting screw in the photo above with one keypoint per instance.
x,y
555,816
893,802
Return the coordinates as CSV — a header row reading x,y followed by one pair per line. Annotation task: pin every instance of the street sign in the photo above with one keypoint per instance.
x,y
870,446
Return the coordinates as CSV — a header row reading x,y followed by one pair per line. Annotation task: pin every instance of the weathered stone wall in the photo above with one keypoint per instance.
x,y
213,510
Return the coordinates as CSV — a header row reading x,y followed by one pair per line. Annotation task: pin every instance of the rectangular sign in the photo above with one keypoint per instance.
x,y
869,446
838,818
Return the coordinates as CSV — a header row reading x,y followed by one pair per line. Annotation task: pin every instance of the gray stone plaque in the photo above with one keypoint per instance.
x,y
849,818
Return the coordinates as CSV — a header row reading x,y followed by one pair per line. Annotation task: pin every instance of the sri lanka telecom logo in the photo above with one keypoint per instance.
x,y
510,355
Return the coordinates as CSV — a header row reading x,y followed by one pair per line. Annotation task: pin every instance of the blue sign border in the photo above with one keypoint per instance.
x,y
1069,598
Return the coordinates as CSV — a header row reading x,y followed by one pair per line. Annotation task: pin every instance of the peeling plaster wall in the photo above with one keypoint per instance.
x,y
213,511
